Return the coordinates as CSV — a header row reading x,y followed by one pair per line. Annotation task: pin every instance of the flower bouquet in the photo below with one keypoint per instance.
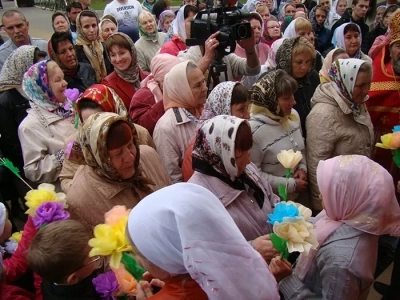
x,y
392,141
110,241
289,160
291,230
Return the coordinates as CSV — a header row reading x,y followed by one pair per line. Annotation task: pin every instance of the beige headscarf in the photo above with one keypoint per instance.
x,y
93,50
177,92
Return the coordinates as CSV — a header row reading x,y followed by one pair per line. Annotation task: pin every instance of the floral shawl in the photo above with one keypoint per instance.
x,y
36,86
132,74
264,100
93,140
15,66
93,50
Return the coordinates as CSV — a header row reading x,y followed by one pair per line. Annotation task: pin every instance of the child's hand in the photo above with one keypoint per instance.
x,y
143,290
280,268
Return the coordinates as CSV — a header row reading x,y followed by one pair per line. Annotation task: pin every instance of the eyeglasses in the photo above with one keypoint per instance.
x,y
96,260
273,27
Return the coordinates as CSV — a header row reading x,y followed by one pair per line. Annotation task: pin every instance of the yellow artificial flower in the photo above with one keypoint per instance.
x,y
110,240
300,235
390,141
289,159
44,193
16,236
115,214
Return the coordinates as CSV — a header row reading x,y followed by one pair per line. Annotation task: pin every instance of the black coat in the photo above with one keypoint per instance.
x,y
83,79
369,39
83,290
80,54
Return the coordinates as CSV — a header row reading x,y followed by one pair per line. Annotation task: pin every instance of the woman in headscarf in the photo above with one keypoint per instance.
x,y
88,47
348,37
329,59
318,24
339,7
184,94
117,172
221,160
271,32
165,20
60,23
339,123
108,25
150,40
262,49
296,56
13,106
147,5
359,206
331,17
179,31
183,235
227,98
97,98
127,75
379,29
275,127
47,124
147,105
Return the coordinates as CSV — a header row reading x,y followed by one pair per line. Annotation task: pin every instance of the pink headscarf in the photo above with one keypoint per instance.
x,y
160,65
358,192
177,92
324,72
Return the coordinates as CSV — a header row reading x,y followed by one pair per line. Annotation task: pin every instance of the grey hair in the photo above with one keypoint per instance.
x,y
284,84
10,13
365,67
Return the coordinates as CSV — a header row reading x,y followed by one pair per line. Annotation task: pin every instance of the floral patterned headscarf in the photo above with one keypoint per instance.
x,y
215,144
93,140
36,86
15,66
219,101
343,75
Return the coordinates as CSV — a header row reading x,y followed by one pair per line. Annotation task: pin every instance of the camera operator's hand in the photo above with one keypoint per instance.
x,y
209,52
248,44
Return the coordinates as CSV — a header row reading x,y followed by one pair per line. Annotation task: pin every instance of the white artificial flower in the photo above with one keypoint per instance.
x,y
289,159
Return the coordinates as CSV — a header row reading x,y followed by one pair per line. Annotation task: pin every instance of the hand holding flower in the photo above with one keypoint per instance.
x,y
300,174
143,291
280,268
264,246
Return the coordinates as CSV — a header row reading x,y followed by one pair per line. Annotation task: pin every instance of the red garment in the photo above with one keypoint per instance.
x,y
173,46
144,110
181,287
187,170
123,88
17,264
15,293
384,108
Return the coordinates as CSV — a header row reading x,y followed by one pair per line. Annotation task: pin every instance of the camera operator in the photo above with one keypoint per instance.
x,y
236,66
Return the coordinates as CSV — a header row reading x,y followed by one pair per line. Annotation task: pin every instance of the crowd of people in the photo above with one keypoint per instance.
x,y
117,110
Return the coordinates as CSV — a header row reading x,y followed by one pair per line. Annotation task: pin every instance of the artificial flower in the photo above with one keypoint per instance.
x,y
16,236
300,235
110,240
72,95
49,212
127,284
113,216
11,246
304,211
390,141
44,193
281,211
106,284
289,159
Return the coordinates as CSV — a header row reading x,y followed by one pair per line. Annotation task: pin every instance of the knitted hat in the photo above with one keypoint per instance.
x,y
395,28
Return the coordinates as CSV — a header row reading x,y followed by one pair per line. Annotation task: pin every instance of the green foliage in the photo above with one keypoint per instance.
x,y
280,245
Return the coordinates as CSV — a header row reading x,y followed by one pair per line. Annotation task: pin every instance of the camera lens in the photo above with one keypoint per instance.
x,y
241,31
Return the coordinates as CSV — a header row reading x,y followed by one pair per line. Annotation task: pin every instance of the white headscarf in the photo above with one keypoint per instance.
x,y
338,38
271,60
184,228
178,24
290,31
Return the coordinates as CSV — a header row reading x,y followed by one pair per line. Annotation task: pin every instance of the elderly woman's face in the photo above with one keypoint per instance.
x,y
148,24
107,29
274,30
123,159
60,24
242,160
361,87
57,83
301,64
120,58
256,26
352,42
198,85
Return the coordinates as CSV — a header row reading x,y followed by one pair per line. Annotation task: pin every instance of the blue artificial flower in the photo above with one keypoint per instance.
x,y
283,210
396,128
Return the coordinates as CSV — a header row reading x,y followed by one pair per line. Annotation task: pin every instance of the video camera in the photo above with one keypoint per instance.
x,y
227,20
